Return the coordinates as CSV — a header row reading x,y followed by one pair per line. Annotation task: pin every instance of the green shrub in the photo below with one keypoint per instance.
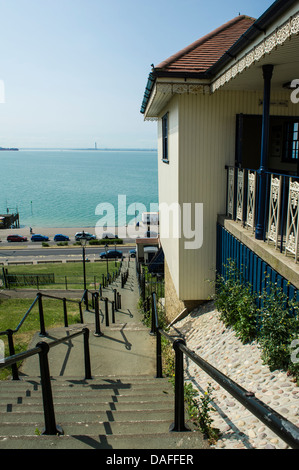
x,y
237,304
108,241
275,324
279,326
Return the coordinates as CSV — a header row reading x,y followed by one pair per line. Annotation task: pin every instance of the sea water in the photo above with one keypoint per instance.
x,y
68,188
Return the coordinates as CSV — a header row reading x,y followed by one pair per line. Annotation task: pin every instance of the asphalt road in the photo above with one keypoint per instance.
x,y
44,251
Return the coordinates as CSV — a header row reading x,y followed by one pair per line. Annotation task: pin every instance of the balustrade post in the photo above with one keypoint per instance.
x,y
41,315
106,312
179,408
65,312
97,315
158,355
153,323
113,311
14,368
50,424
115,299
86,354
80,312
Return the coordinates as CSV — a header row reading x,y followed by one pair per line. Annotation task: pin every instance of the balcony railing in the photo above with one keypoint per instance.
x,y
281,221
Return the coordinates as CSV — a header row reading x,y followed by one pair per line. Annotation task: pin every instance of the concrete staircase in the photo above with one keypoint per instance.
x,y
130,409
101,413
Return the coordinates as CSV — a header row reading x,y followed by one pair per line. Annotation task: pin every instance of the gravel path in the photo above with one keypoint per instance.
x,y
207,336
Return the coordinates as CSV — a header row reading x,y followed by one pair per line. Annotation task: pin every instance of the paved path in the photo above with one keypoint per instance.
x,y
125,348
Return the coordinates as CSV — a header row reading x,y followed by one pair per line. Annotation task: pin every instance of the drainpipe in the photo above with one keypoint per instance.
x,y
260,227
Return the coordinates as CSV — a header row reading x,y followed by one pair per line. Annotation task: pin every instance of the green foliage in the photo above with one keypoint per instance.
x,y
279,326
236,304
275,324
199,411
108,241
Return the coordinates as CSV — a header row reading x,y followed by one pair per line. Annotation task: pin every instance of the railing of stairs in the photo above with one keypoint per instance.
x,y
38,300
286,430
42,349
115,305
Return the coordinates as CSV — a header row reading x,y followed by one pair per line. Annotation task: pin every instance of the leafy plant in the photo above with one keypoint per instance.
x,y
199,411
278,327
236,303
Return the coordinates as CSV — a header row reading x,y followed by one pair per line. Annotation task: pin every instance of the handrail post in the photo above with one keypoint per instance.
x,y
41,315
158,355
113,311
97,315
115,299
80,312
86,298
153,322
14,368
49,414
86,354
106,312
179,407
65,312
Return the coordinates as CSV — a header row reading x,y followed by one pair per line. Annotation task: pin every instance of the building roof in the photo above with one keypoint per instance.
x,y
202,54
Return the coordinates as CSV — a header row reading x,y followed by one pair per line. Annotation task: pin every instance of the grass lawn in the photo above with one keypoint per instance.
x,y
12,312
68,275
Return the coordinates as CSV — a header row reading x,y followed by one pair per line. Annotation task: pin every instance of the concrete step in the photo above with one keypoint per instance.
x,y
155,441
64,415
139,404
83,427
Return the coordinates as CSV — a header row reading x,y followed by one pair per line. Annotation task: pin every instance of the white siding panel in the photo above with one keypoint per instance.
x,y
207,126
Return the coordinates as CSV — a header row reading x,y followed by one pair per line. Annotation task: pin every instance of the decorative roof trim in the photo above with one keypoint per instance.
x,y
276,38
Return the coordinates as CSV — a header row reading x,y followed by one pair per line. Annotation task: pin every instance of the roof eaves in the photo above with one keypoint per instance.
x,y
260,25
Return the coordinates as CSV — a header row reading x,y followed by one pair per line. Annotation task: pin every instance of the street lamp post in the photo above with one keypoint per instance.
x,y
83,242
106,248
115,253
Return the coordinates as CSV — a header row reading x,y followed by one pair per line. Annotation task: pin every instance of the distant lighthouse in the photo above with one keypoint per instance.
x,y
95,146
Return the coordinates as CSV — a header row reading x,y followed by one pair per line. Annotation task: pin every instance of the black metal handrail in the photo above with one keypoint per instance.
x,y
38,299
286,430
42,349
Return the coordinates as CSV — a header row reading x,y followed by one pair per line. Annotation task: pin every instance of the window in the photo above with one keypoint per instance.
x,y
291,150
165,138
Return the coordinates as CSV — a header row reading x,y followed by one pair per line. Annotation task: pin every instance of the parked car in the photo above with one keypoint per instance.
x,y
59,237
16,238
111,254
86,235
37,237
132,253
108,235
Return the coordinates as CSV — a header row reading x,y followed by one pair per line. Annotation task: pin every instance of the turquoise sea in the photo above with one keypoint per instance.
x,y
63,188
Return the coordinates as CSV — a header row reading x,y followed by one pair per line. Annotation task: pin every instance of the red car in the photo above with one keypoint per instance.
x,y
16,238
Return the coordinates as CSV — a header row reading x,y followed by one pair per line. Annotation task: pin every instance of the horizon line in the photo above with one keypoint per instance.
x,y
87,148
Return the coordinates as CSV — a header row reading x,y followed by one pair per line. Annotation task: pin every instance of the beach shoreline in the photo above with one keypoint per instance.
x,y
124,232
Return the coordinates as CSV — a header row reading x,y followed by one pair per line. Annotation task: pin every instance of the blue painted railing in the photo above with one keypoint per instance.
x,y
255,271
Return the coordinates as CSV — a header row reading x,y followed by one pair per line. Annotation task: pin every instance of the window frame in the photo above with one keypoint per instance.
x,y
289,141
165,153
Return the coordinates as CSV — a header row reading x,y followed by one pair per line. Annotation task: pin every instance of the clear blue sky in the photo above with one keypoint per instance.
x,y
75,71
